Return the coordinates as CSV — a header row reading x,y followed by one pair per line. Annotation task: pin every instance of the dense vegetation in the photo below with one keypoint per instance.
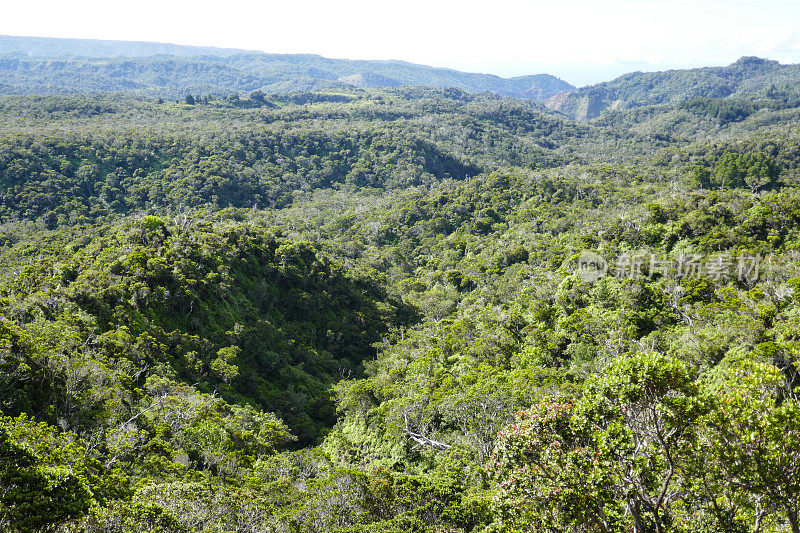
x,y
364,310
750,78
37,65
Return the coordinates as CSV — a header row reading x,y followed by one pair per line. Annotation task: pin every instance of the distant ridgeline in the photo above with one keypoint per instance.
x,y
749,77
365,309
33,65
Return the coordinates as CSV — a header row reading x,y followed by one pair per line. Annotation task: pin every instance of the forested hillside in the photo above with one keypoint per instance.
x,y
398,309
750,78
31,65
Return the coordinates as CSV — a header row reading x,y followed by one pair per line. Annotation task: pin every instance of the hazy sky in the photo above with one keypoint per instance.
x,y
582,41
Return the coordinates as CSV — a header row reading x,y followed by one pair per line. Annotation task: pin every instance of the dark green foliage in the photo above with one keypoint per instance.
x,y
324,311
744,170
232,307
724,110
74,179
39,493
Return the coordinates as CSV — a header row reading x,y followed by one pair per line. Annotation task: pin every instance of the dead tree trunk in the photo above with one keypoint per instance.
x,y
422,440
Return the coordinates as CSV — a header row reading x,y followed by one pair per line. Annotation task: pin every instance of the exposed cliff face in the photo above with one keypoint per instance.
x,y
368,80
750,76
580,107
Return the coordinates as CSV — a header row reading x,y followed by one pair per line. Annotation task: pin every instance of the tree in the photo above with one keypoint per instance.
x,y
614,459
753,447
258,98
33,496
701,177
744,170
549,475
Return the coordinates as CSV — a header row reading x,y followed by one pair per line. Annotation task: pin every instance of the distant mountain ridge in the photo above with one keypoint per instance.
x,y
63,48
39,65
749,77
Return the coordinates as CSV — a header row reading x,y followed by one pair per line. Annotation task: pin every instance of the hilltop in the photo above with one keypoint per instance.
x,y
750,77
37,65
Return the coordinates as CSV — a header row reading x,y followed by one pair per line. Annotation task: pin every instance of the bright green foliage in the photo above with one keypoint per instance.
x,y
125,517
549,473
33,495
615,458
321,312
751,471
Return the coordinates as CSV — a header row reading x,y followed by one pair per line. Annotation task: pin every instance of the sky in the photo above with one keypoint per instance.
x,y
581,41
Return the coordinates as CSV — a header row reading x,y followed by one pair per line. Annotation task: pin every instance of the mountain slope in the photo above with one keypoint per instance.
x,y
191,295
748,77
31,65
61,48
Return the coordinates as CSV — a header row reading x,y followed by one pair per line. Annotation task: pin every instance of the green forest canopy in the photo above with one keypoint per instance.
x,y
360,311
